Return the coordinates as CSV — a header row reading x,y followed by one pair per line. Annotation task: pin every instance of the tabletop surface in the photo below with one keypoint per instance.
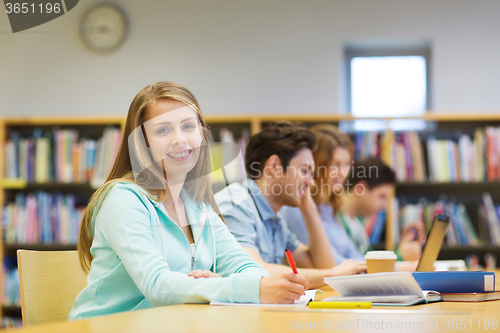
x,y
434,317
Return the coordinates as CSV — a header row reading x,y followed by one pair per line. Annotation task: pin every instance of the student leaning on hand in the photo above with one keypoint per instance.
x,y
151,235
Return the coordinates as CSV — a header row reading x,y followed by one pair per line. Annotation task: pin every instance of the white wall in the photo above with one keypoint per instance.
x,y
247,56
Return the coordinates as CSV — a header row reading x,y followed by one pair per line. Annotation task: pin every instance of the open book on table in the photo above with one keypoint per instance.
x,y
391,289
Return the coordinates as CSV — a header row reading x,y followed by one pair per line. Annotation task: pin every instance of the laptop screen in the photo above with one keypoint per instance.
x,y
433,244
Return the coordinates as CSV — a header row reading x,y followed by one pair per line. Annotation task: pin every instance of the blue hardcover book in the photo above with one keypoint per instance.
x,y
457,221
456,282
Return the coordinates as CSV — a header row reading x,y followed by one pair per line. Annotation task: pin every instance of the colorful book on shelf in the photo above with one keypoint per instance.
x,y
417,157
443,167
492,219
456,282
472,236
456,220
464,148
409,161
383,289
450,147
386,144
401,170
431,159
480,154
491,153
90,148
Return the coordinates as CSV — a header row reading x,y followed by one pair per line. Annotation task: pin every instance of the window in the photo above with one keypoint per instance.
x,y
385,83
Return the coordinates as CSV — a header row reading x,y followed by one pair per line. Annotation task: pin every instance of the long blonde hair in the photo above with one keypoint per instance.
x,y
151,179
329,138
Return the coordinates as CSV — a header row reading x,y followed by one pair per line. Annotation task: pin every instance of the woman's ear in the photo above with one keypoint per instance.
x,y
202,136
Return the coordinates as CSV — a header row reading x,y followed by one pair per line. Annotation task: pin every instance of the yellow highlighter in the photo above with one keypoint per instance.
x,y
340,305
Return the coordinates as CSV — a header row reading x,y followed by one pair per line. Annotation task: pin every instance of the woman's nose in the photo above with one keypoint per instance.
x,y
178,138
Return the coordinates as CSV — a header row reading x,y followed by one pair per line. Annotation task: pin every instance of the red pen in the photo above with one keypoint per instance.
x,y
290,260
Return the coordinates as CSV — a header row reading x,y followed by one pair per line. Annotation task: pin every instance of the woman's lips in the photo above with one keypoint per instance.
x,y
181,156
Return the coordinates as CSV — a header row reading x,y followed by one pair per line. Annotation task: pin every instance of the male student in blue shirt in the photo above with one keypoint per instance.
x,y
279,165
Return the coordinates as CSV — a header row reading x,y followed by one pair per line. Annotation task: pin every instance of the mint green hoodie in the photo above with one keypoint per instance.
x,y
142,258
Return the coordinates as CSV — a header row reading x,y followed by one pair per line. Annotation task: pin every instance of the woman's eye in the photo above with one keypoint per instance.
x,y
189,126
162,130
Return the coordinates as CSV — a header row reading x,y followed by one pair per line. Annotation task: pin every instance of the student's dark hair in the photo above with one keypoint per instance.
x,y
371,170
281,138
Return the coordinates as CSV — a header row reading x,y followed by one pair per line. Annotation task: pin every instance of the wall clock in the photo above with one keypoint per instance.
x,y
103,28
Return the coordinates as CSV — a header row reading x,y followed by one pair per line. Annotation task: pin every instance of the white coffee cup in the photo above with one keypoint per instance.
x,y
380,261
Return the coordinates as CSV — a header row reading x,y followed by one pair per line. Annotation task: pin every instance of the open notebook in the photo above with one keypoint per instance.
x,y
390,289
302,301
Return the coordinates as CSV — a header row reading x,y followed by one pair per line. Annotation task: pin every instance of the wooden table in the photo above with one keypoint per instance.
x,y
435,317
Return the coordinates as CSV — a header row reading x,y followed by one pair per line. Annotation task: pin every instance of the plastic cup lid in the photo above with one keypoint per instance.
x,y
380,255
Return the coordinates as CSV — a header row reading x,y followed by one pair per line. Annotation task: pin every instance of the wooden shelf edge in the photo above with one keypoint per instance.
x,y
447,184
9,184
7,247
470,248
58,121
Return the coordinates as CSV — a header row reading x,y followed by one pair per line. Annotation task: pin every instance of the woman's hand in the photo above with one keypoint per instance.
x,y
412,239
282,288
348,267
203,274
415,232
407,266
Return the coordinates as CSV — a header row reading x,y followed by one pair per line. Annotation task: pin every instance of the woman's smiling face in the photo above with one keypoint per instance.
x,y
174,136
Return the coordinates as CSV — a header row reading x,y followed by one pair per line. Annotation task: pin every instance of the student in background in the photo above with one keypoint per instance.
x,y
333,158
366,191
151,235
279,165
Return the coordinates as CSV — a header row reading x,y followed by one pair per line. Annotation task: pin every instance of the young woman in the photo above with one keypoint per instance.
x,y
151,235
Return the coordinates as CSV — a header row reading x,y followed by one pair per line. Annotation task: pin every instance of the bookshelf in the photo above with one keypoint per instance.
x,y
444,126
13,188
440,126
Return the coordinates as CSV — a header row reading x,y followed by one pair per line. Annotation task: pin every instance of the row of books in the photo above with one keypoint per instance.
x,y
402,151
468,159
42,217
460,231
464,160
61,156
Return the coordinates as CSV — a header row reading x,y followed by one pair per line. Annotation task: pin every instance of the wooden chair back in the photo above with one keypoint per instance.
x,y
49,282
